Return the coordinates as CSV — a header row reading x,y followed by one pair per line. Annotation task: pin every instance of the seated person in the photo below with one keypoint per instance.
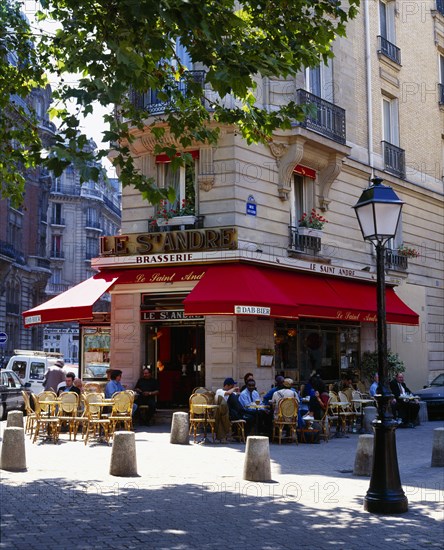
x,y
406,409
262,417
374,387
115,386
230,394
286,391
247,377
68,385
278,386
147,388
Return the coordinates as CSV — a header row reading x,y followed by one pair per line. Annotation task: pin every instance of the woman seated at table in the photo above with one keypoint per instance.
x,y
319,401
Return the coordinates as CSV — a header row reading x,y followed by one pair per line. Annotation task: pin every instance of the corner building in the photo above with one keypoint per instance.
x,y
235,285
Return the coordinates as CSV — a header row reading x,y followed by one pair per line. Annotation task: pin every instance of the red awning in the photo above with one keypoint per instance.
x,y
239,289
77,303
73,305
251,290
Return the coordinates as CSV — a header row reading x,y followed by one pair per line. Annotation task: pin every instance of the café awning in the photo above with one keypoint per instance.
x,y
242,289
75,304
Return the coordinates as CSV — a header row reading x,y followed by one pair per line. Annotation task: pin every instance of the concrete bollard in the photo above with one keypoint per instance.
x,y
13,456
180,428
438,447
15,419
370,413
123,455
364,456
257,459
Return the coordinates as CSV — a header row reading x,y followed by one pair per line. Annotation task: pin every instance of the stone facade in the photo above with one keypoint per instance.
x,y
394,129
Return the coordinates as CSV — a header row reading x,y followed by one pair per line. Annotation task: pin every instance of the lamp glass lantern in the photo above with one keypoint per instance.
x,y
378,211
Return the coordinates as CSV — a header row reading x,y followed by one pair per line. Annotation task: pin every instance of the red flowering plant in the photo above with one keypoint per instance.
x,y
312,220
166,212
407,251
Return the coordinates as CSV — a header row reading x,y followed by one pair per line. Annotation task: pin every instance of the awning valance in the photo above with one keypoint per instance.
x,y
73,305
251,290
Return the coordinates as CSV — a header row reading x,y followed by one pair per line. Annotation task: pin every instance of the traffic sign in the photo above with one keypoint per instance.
x,y
3,338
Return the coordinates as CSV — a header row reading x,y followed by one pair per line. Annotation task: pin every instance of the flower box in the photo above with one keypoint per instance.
x,y
176,220
310,232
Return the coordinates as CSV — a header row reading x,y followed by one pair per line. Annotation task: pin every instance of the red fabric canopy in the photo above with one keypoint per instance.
x,y
73,305
290,294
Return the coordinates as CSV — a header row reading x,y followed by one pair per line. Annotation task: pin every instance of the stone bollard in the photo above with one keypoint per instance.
x,y
13,456
15,419
257,459
370,413
180,428
364,456
123,455
438,447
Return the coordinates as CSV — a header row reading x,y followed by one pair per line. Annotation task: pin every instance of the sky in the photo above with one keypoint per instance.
x,y
93,125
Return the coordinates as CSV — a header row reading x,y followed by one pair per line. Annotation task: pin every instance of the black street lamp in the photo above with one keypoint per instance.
x,y
378,211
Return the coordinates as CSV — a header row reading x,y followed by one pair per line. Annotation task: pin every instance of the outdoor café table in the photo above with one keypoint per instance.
x,y
362,402
339,405
259,411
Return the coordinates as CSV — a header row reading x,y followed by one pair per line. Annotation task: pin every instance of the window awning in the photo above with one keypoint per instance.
x,y
240,289
76,304
73,305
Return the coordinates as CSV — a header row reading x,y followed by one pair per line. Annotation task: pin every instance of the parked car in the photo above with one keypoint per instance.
x,y
11,398
31,367
433,395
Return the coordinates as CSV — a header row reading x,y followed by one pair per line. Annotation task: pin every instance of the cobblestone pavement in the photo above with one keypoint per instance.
x,y
193,496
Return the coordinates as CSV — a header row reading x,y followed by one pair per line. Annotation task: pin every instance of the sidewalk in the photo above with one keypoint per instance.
x,y
194,497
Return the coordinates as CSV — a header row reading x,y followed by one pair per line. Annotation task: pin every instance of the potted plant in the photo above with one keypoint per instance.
x,y
407,251
369,365
311,224
183,215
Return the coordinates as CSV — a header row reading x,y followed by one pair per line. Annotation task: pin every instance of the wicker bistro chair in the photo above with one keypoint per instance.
x,y
200,415
68,408
287,416
47,396
94,423
30,413
348,414
44,419
122,410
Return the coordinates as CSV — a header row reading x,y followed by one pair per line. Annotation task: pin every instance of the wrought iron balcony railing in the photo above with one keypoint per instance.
x,y
394,260
7,249
327,120
394,159
198,223
93,224
441,92
58,221
56,288
57,254
389,50
303,243
155,105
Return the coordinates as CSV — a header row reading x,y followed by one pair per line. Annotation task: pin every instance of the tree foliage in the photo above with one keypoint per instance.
x,y
117,46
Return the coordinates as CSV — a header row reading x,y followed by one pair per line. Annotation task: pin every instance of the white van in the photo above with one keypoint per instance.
x,y
31,367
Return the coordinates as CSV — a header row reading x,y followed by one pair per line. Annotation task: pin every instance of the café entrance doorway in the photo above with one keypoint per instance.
x,y
176,354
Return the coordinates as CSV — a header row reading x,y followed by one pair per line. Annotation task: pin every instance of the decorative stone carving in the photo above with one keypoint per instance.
x,y
206,182
288,156
327,176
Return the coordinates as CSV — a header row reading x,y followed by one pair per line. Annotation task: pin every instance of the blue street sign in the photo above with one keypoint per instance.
x,y
3,338
251,207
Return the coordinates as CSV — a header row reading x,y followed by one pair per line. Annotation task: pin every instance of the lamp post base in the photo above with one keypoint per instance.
x,y
385,494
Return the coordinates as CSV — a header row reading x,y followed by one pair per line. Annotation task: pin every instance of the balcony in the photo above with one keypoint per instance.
x,y
93,224
7,249
58,221
395,261
178,223
56,288
303,243
389,50
441,91
151,101
394,159
57,255
12,307
440,6
328,120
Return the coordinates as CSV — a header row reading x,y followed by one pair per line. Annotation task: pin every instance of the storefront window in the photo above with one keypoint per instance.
x,y
329,349
96,347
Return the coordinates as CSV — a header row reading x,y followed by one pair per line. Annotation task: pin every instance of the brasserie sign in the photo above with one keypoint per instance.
x,y
197,240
